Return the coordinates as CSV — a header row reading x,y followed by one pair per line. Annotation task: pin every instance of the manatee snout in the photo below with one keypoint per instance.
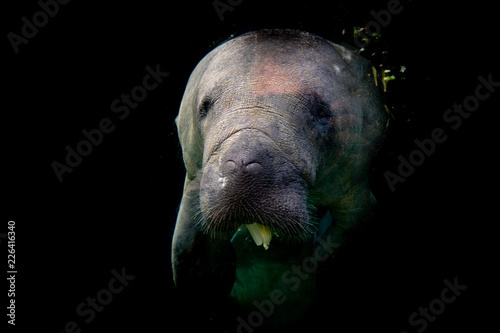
x,y
249,180
247,161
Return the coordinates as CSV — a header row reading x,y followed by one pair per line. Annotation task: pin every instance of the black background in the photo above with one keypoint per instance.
x,y
117,208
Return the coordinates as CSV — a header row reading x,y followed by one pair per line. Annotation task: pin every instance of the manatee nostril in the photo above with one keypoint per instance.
x,y
253,167
230,166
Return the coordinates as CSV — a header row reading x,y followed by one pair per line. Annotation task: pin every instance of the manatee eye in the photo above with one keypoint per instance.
x,y
204,107
321,111
319,108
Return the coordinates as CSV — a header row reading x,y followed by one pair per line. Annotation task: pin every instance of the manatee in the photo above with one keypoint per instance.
x,y
278,130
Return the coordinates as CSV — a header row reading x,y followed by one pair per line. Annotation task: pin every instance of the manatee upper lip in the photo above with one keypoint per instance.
x,y
219,142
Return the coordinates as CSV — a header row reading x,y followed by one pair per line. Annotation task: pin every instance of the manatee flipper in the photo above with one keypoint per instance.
x,y
203,266
347,214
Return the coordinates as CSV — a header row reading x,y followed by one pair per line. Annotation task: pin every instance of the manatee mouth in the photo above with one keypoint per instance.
x,y
268,211
283,221
262,235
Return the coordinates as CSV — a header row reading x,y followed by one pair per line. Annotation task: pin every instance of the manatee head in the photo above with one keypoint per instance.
x,y
275,126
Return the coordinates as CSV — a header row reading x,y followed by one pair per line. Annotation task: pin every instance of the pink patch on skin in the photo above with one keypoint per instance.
x,y
272,79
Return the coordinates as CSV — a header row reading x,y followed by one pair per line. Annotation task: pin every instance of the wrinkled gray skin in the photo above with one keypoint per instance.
x,y
276,127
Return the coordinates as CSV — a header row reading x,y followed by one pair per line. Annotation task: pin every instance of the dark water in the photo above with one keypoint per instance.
x,y
113,215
